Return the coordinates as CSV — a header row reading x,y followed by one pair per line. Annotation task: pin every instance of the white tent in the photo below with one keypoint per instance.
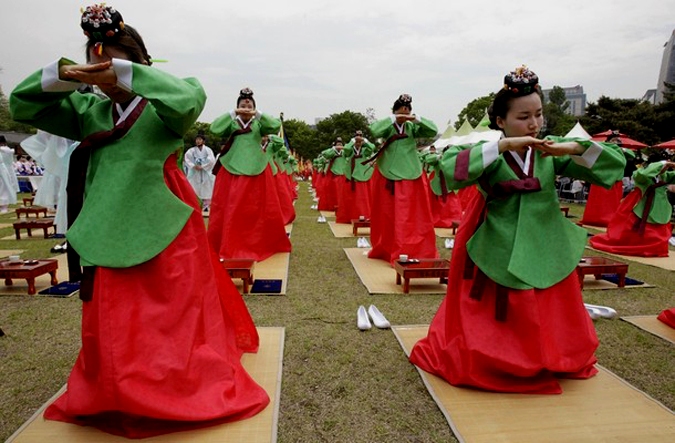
x,y
578,132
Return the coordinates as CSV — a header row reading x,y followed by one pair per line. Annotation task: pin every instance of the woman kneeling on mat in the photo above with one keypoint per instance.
x,y
513,319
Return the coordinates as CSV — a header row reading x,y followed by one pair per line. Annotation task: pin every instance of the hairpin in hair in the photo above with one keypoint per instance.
x,y
246,93
101,22
521,81
405,99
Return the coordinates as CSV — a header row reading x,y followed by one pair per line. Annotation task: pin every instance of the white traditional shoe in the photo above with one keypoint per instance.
x,y
365,242
362,320
603,311
594,313
672,241
321,219
449,243
379,319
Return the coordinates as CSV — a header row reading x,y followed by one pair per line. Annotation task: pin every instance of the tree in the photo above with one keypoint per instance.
x,y
342,125
635,118
475,110
211,140
302,138
6,122
557,120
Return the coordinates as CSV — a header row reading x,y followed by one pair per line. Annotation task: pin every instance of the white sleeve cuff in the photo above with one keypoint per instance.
x,y
490,151
125,73
588,158
233,114
258,114
51,82
418,119
393,118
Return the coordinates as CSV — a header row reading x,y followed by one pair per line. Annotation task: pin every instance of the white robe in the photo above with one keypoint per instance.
x,y
54,153
202,180
9,184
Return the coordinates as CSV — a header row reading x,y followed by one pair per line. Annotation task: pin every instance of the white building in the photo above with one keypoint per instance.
x,y
575,96
667,73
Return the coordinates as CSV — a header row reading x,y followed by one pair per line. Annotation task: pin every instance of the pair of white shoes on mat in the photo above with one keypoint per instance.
x,y
362,242
321,219
449,243
597,312
314,207
363,322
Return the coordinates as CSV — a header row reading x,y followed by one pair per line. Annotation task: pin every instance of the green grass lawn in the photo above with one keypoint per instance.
x,y
339,384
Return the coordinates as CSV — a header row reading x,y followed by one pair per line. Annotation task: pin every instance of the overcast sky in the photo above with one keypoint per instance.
x,y
311,58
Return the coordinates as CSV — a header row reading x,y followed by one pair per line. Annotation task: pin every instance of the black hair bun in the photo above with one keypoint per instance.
x,y
100,22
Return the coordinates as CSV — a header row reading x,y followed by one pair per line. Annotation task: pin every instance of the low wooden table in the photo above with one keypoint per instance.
x,y
601,265
358,223
28,269
240,268
28,210
28,201
29,225
421,268
455,225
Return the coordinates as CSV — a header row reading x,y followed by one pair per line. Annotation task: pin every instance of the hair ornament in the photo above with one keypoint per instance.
x,y
521,81
406,99
246,93
101,22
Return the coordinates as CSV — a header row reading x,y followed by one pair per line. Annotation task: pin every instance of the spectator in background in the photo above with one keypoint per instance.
x,y
8,183
199,161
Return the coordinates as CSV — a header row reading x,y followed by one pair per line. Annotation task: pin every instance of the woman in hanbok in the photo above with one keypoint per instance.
x,y
513,319
641,226
331,182
246,219
277,154
354,199
163,327
400,221
446,208
602,203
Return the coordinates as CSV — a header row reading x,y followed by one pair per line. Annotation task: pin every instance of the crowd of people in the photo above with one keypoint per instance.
x,y
510,322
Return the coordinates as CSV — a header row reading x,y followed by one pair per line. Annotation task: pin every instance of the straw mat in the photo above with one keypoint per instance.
x,y
7,252
591,284
603,408
659,262
652,325
265,368
344,230
444,232
380,278
272,268
20,286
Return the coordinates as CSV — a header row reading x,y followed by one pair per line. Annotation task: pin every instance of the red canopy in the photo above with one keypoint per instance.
x,y
626,142
666,145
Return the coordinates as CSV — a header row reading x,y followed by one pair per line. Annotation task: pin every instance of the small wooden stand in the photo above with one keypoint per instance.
x,y
601,265
422,268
